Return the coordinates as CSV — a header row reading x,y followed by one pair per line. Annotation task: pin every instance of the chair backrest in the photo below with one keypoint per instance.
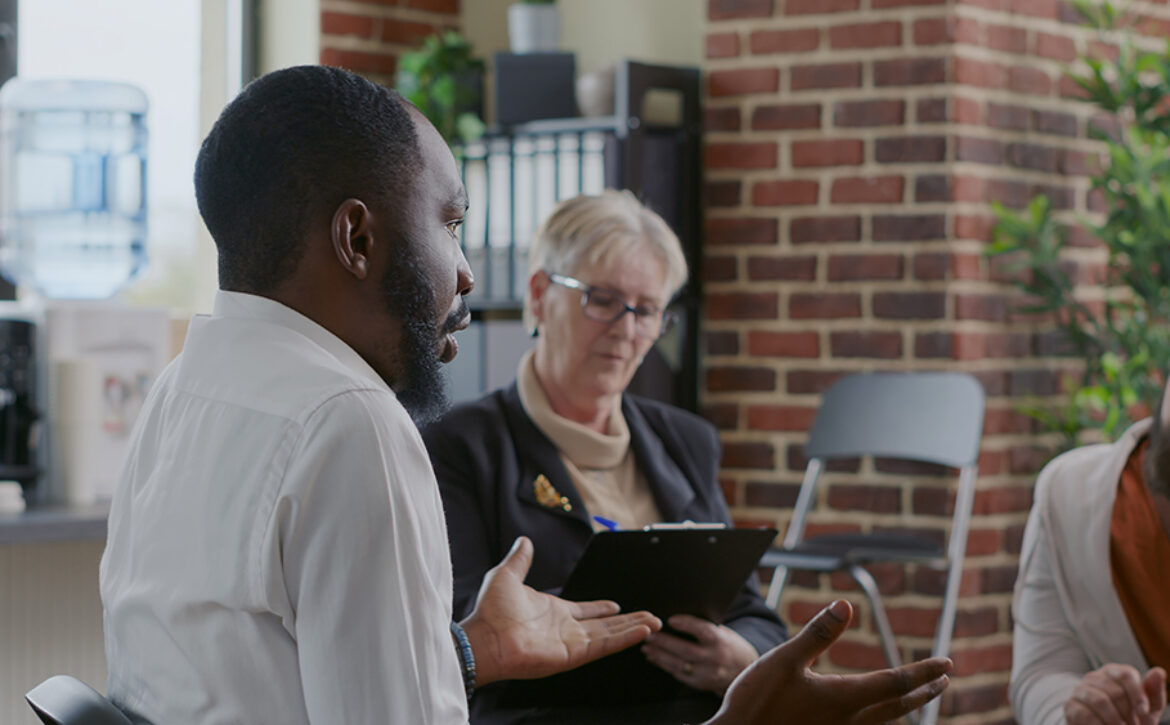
x,y
927,416
65,700
935,417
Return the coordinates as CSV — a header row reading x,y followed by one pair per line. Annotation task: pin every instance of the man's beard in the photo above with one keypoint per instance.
x,y
411,298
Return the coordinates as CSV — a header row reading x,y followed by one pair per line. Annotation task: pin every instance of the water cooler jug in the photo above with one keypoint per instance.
x,y
72,186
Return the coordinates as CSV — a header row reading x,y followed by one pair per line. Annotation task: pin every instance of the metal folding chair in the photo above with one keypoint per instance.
x,y
927,417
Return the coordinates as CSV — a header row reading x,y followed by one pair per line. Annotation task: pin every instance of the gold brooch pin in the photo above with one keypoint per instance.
x,y
548,496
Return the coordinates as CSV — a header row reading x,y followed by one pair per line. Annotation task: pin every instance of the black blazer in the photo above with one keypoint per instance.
x,y
487,456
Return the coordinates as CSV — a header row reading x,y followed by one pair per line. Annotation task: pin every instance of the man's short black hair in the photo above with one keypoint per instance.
x,y
292,146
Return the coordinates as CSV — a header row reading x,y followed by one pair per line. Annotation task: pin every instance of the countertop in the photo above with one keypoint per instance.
x,y
55,523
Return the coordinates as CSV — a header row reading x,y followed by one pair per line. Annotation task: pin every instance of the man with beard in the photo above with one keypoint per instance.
x,y
1092,639
277,550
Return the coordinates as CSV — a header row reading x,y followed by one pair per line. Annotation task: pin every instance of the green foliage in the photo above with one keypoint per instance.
x,y
1125,341
446,84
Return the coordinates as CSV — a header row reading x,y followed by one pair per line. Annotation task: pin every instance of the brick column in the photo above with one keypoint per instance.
x,y
853,150
367,36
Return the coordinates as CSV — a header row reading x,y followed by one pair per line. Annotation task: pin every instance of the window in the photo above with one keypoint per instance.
x,y
175,51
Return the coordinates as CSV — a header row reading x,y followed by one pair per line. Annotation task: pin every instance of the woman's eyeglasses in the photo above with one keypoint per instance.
x,y
603,305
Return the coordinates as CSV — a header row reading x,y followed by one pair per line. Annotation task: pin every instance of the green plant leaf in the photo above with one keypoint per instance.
x,y
469,127
1122,338
437,79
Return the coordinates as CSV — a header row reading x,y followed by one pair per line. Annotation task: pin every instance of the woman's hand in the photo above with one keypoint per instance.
x,y
711,663
1117,694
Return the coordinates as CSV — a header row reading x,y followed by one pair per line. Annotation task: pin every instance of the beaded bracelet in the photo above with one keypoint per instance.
x,y
466,657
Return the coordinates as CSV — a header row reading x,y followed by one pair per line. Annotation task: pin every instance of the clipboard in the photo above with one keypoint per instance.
x,y
667,571
687,570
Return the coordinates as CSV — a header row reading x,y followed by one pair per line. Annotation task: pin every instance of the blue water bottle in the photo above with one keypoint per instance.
x,y
72,186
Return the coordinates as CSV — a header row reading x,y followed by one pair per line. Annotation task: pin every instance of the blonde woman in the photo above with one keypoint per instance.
x,y
564,449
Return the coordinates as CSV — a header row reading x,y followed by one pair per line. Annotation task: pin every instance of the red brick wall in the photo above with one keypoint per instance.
x,y
367,36
853,148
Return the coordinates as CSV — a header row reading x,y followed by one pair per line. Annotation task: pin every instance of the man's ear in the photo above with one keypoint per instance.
x,y
352,236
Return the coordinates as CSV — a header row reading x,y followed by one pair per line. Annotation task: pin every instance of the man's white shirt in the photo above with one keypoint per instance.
x,y
277,551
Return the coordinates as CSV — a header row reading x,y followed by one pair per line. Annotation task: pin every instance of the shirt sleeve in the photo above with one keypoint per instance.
x,y
363,557
1048,661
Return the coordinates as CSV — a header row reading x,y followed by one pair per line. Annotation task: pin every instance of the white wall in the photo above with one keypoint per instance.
x,y
290,33
601,32
50,620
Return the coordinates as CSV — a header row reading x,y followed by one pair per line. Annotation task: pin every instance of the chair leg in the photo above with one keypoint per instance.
x,y
779,579
946,627
795,532
889,644
930,712
865,579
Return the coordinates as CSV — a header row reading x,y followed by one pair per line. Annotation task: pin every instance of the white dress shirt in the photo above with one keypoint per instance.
x,y
277,551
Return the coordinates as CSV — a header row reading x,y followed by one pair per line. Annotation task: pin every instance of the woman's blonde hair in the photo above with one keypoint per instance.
x,y
596,229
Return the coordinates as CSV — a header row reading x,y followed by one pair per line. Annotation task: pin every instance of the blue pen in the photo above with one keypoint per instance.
x,y
607,523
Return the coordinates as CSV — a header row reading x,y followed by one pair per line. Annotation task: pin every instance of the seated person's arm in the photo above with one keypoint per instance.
x,y
711,662
1053,682
1047,660
721,651
473,551
754,620
749,629
748,615
1117,694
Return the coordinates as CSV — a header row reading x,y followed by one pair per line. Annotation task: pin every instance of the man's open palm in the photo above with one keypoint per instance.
x,y
780,687
517,632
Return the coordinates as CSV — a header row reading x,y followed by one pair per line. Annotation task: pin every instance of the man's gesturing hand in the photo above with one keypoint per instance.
x,y
780,687
519,633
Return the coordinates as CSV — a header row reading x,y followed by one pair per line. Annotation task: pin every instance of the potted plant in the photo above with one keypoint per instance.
x,y
1124,341
533,26
446,84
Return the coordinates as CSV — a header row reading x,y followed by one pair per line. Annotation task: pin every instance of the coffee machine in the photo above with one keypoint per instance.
x,y
19,416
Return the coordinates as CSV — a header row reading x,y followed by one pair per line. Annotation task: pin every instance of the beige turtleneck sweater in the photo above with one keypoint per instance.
x,y
601,466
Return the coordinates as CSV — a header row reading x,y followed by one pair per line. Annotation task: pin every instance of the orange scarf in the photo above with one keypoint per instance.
x,y
1140,557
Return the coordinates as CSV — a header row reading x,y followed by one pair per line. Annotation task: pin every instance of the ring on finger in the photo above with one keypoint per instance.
x,y
688,668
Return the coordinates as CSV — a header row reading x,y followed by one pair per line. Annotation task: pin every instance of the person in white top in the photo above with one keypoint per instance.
x,y
277,550
1091,641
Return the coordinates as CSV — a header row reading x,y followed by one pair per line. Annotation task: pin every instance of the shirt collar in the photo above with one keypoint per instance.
x,y
241,305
